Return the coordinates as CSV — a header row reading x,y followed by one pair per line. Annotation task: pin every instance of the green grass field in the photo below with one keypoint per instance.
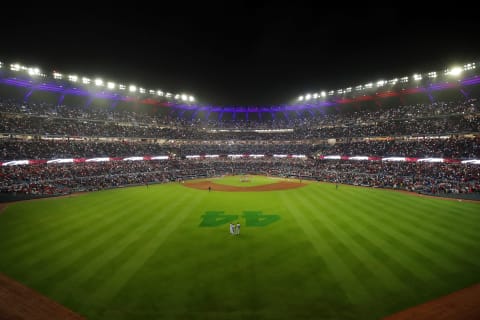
x,y
253,181
311,253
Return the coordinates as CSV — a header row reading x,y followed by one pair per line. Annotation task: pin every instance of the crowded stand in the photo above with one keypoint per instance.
x,y
420,119
49,149
431,178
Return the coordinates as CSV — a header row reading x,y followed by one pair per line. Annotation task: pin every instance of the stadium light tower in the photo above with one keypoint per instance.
x,y
110,85
99,82
300,98
132,88
73,78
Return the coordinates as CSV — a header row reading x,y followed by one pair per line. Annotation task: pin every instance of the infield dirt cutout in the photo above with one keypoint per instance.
x,y
281,185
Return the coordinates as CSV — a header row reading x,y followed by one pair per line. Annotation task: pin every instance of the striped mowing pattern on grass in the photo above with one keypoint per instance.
x,y
351,253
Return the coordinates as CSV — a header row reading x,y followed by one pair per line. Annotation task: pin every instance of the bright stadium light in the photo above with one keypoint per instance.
x,y
177,96
466,67
417,77
393,81
369,85
122,87
315,95
15,67
358,88
331,93
57,75
404,79
151,91
455,71
308,96
349,89
432,74
160,93
86,80
300,98
1,64
72,78
168,95
339,91
99,82
323,94
33,71
142,90
184,97
381,83
132,88
191,98
111,85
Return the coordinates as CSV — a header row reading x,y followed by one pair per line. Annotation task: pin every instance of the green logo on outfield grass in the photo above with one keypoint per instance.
x,y
252,218
217,218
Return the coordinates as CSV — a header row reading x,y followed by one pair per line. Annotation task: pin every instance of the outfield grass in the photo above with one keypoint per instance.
x,y
138,253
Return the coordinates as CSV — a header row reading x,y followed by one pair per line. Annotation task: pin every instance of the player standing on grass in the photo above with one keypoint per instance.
x,y
237,231
232,229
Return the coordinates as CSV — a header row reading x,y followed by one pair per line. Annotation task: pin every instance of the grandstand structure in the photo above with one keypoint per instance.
x,y
65,133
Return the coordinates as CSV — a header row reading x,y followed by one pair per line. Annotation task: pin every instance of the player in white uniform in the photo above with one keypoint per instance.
x,y
238,229
232,229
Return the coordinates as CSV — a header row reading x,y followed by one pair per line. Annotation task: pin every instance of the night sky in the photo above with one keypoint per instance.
x,y
238,52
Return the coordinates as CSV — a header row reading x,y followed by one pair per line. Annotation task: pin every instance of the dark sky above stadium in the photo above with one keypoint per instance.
x,y
239,52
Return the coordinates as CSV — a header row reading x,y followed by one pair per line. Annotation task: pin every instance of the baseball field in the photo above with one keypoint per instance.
x,y
305,251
